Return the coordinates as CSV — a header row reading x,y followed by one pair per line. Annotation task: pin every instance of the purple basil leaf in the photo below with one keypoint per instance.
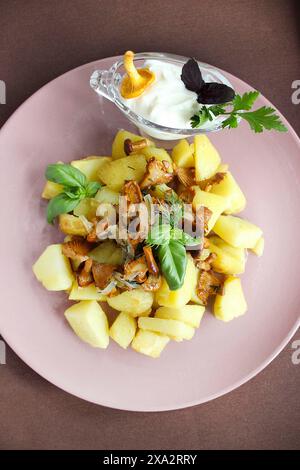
x,y
215,93
192,76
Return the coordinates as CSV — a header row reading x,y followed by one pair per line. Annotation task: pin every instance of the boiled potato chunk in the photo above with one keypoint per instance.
x,y
237,232
115,173
194,297
149,343
86,293
51,190
232,303
87,207
177,298
182,154
123,329
229,189
175,329
108,252
146,313
207,158
90,166
53,269
229,260
118,143
134,302
89,322
217,204
72,225
159,154
107,195
259,247
223,168
189,314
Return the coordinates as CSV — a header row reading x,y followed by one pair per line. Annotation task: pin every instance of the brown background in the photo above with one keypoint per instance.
x,y
258,40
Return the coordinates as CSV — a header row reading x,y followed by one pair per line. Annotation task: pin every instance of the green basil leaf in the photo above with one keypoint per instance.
x,y
60,204
91,188
75,193
67,175
173,261
184,238
159,234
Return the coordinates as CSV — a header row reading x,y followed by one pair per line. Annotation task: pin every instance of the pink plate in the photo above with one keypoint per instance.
x,y
64,121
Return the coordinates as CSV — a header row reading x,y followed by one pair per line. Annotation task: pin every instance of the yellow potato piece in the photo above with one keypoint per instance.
x,y
237,232
89,322
149,343
229,260
134,302
183,154
232,303
118,143
207,158
53,269
123,329
115,173
217,204
177,298
229,189
175,329
90,166
86,293
51,190
107,196
72,225
87,207
194,280
107,252
259,247
189,314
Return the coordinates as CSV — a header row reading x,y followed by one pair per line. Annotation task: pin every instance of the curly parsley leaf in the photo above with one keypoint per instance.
x,y
264,118
259,119
245,101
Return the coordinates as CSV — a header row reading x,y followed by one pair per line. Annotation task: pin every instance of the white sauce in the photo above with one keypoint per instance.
x,y
166,102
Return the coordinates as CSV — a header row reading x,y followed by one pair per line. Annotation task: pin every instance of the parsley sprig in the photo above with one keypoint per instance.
x,y
259,119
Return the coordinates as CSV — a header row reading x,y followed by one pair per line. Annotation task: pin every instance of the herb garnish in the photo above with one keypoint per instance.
x,y
259,119
170,241
221,97
75,188
207,92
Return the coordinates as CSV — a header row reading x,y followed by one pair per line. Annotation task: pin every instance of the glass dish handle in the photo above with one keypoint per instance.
x,y
100,82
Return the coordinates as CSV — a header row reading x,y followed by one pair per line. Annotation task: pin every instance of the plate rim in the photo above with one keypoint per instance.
x,y
110,404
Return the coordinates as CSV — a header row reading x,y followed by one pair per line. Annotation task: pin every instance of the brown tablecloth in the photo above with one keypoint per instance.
x,y
257,40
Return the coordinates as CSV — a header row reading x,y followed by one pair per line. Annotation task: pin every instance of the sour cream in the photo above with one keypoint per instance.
x,y
166,102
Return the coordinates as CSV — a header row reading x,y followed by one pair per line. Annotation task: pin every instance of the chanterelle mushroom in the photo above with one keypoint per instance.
x,y
151,263
137,80
132,192
152,283
102,273
207,285
157,172
136,270
77,249
85,277
186,176
134,147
